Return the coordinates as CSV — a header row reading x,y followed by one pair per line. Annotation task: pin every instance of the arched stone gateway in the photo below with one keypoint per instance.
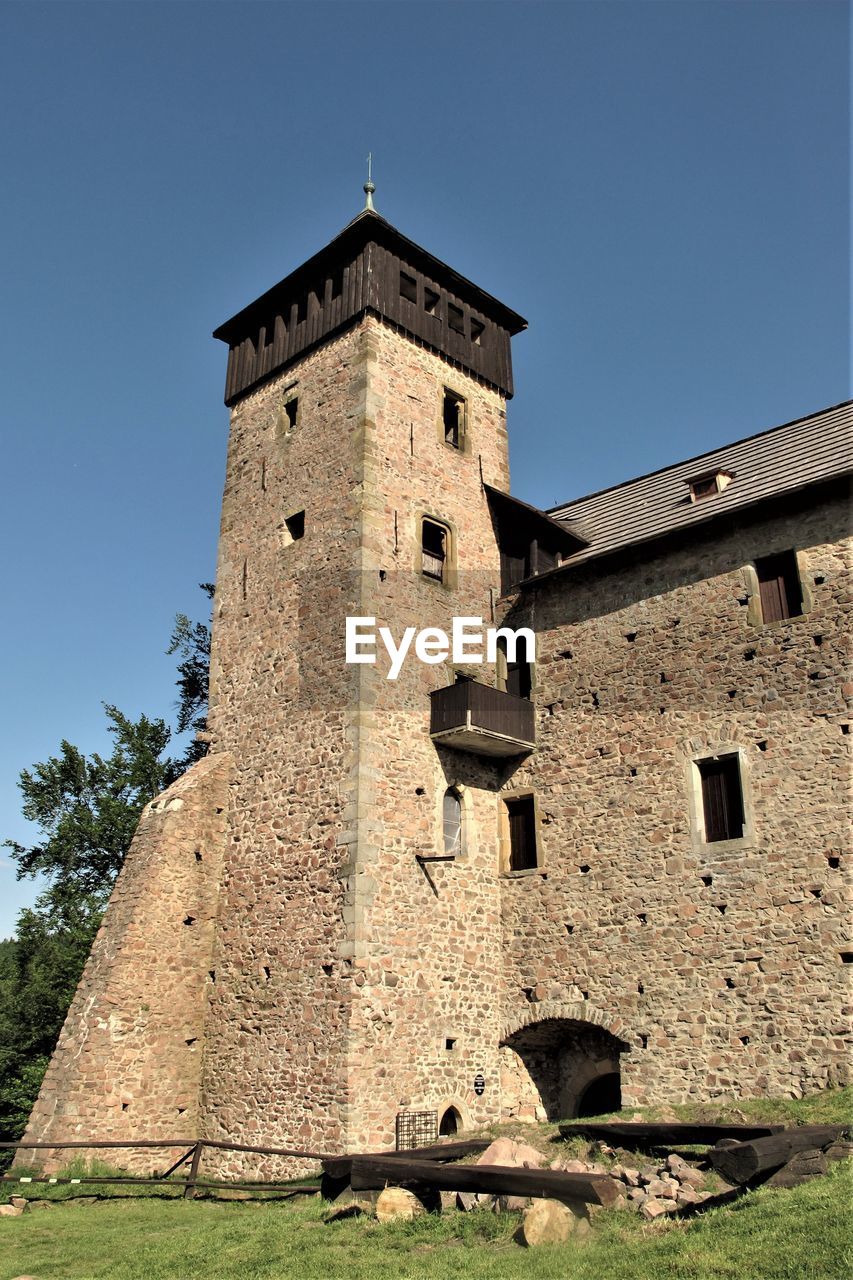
x,y
561,1062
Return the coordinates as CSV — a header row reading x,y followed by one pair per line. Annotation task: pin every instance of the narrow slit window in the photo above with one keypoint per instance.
x,y
453,418
779,586
337,282
431,300
408,287
722,798
455,318
521,821
477,330
291,412
435,540
452,822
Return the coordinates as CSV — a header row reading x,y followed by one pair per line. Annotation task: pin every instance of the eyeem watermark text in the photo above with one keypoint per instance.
x,y
468,642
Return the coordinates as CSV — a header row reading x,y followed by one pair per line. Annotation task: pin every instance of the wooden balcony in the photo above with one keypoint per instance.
x,y
475,717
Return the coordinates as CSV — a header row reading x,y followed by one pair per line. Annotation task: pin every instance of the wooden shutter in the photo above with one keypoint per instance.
x,y
522,833
434,549
722,799
779,586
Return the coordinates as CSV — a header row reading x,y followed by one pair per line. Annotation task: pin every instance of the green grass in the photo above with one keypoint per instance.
x,y
152,1234
768,1235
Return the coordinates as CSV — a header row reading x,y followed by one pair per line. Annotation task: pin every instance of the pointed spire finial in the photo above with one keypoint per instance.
x,y
369,188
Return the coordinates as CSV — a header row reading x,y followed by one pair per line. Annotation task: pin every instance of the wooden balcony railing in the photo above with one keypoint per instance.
x,y
475,717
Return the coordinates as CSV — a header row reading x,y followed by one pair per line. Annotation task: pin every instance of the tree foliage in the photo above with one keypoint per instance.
x,y
87,808
191,640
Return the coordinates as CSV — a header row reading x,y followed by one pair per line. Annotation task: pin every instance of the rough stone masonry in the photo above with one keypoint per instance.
x,y
285,960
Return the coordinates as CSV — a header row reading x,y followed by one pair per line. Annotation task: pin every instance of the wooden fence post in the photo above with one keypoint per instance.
x,y
189,1189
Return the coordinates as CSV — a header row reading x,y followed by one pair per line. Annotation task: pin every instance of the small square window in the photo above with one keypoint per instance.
x,y
435,542
477,330
453,418
779,586
521,843
722,798
455,318
709,484
408,287
294,528
431,300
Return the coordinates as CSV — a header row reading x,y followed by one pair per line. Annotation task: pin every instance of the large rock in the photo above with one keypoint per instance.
x,y
551,1222
396,1204
516,1155
10,1211
467,1201
654,1208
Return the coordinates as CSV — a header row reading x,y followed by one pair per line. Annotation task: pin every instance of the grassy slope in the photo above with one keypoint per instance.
x,y
768,1235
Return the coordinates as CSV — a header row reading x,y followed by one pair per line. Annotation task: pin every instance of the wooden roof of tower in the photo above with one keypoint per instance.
x,y
370,267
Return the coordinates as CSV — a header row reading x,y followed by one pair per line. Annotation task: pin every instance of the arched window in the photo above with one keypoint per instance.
x,y
452,821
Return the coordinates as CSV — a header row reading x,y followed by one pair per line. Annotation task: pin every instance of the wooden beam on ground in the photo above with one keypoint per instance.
x,y
370,1173
340,1166
748,1160
663,1135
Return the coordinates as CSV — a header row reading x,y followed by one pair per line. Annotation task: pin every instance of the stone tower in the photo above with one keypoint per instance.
x,y
354,977
305,939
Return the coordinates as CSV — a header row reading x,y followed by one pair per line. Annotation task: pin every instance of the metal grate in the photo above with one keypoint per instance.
x,y
416,1129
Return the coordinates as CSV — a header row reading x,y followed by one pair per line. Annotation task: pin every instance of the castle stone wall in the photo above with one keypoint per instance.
x,y
722,961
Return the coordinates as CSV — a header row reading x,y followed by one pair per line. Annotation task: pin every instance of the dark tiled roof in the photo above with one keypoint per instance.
x,y
775,462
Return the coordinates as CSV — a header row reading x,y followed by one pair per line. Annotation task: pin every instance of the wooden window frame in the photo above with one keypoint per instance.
x,y
779,584
697,792
505,839
462,401
448,578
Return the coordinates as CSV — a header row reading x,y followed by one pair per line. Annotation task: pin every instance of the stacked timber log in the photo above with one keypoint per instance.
x,y
798,1150
507,1174
741,1154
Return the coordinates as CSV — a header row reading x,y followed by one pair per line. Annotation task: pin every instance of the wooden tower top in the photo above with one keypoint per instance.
x,y
370,267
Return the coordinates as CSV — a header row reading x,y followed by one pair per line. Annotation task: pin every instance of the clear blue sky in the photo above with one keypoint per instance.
x,y
660,188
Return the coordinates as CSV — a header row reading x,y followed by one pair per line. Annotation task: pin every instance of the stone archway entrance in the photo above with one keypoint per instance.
x,y
450,1123
559,1068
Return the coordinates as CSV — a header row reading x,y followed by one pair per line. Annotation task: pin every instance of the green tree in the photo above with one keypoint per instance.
x,y
86,809
191,640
